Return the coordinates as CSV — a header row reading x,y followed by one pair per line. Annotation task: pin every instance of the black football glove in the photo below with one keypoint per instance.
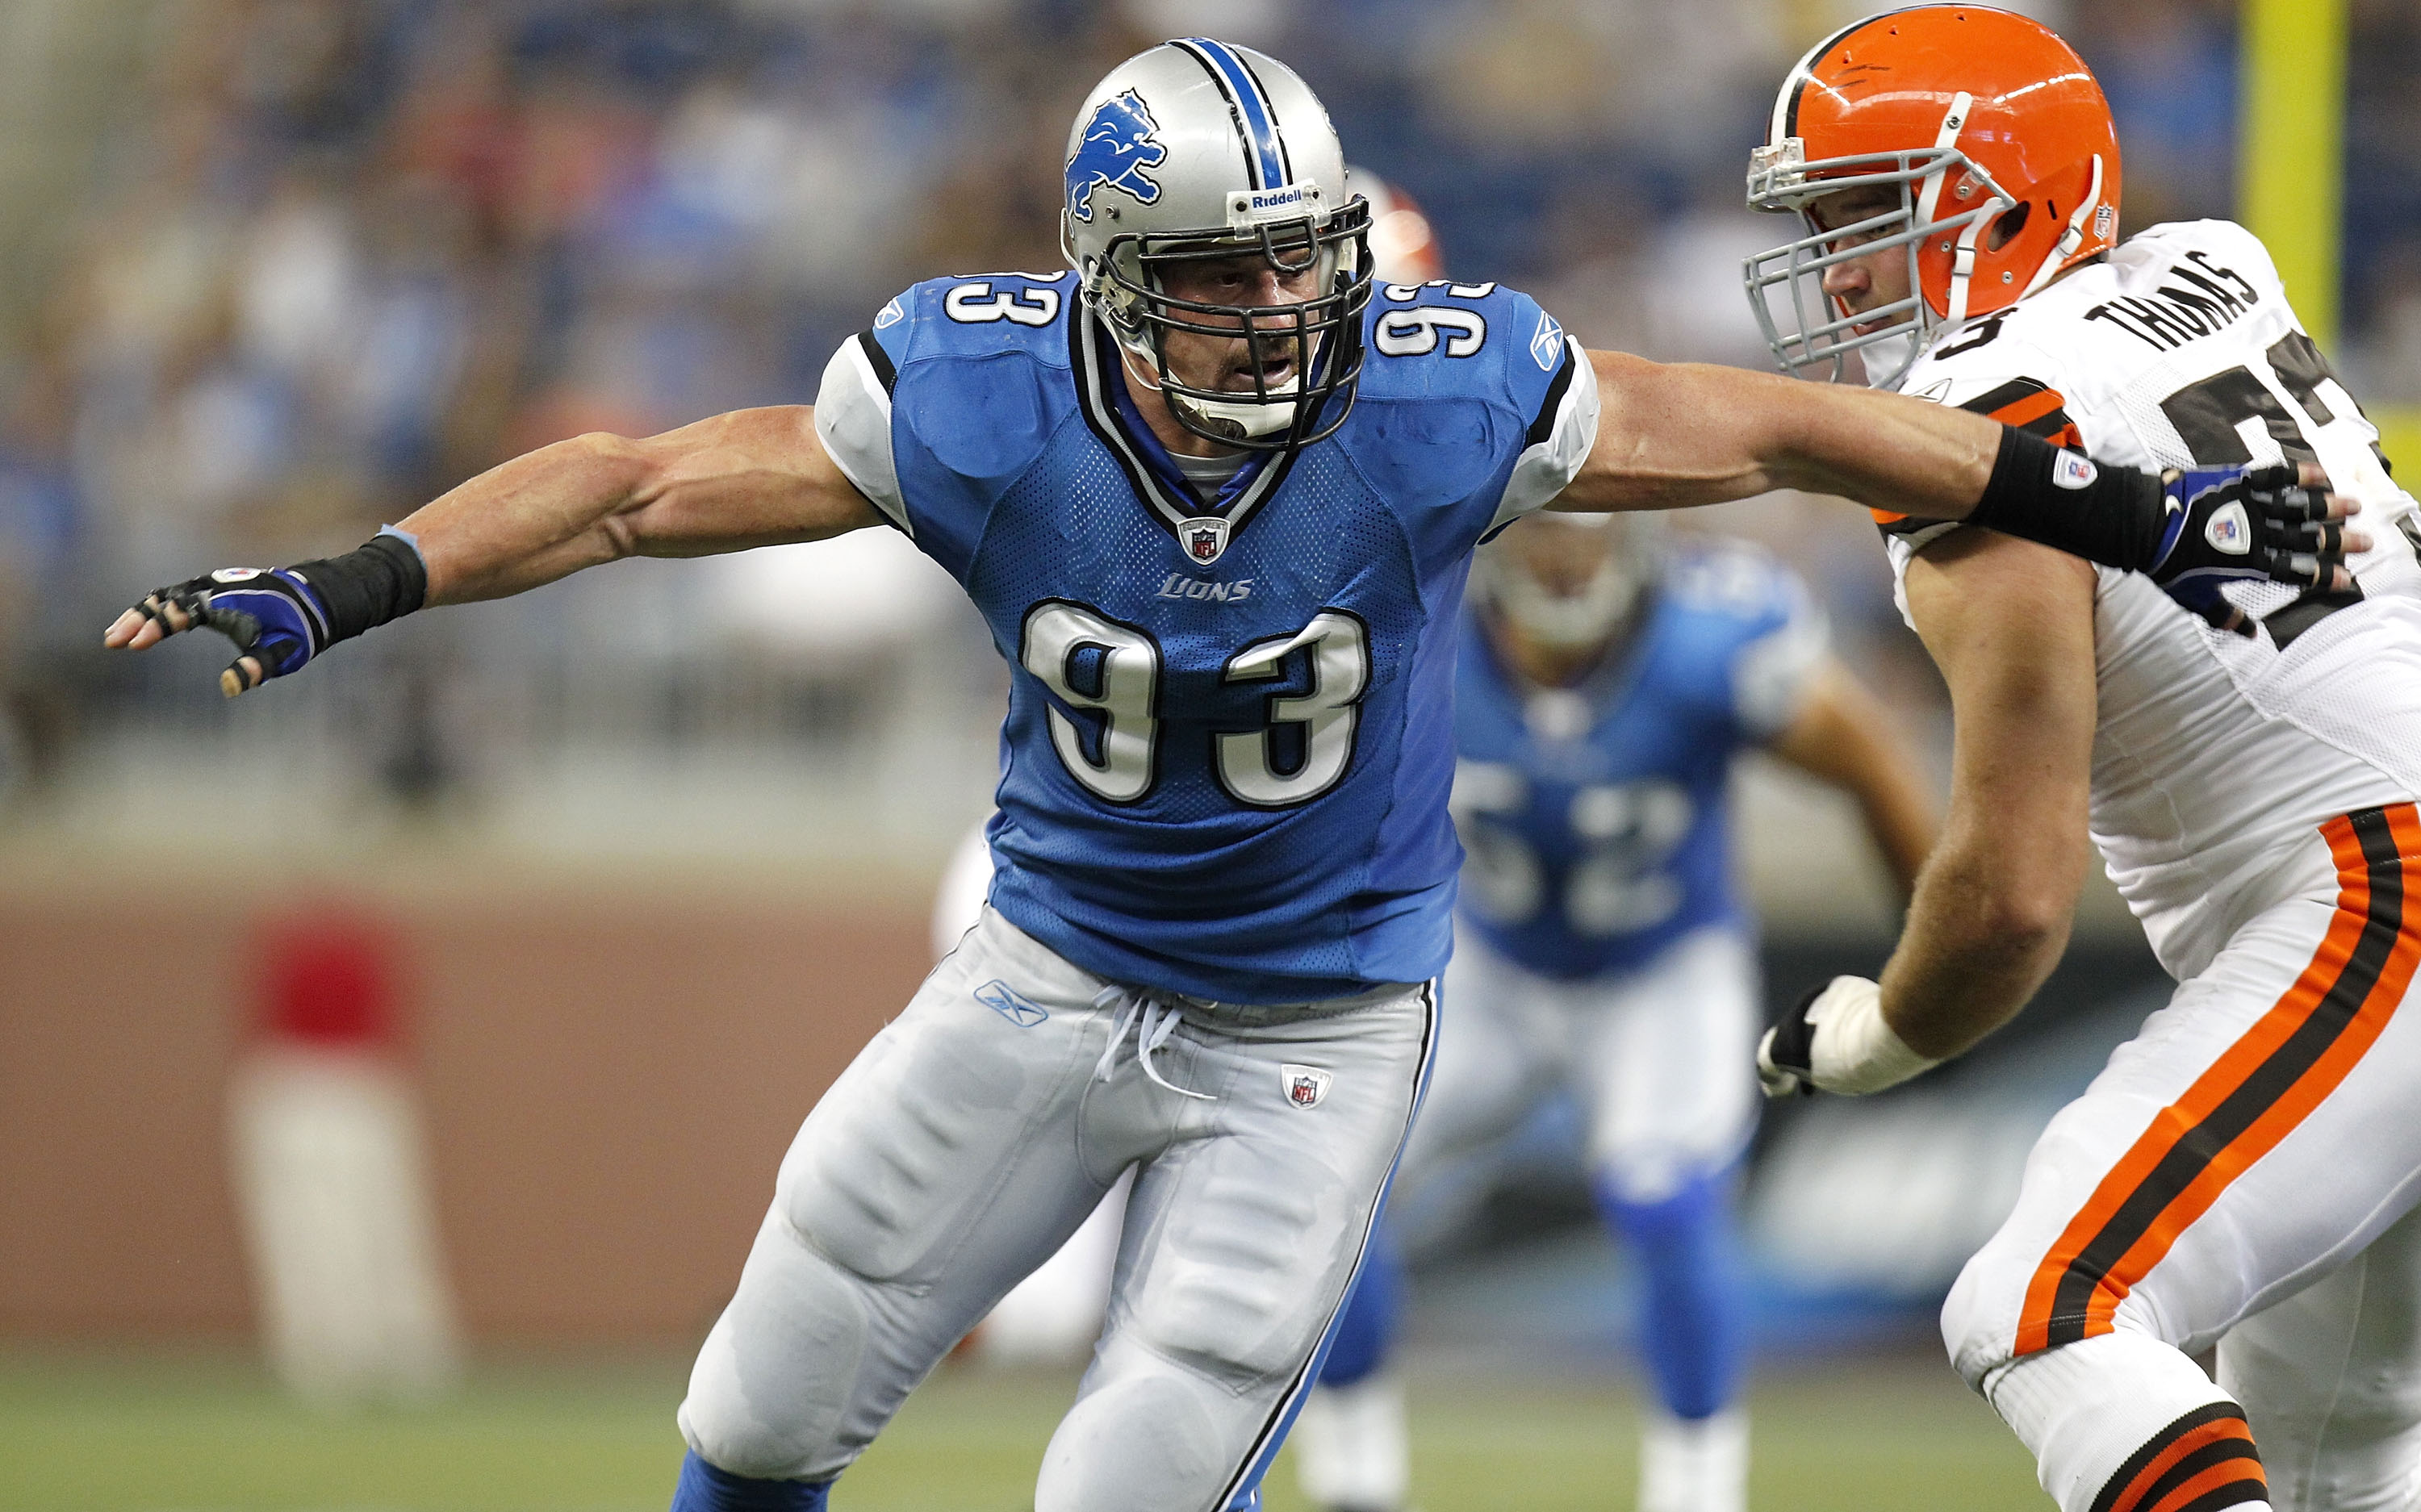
x,y
273,615
2235,524
279,618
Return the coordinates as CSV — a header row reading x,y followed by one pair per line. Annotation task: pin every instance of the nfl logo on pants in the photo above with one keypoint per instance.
x,y
1305,1086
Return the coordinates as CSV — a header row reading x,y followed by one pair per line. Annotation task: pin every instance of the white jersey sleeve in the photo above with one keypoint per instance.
x,y
1549,463
853,421
2216,758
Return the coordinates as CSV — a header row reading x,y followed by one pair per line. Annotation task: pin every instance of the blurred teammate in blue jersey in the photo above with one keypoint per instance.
x,y
1214,490
1610,675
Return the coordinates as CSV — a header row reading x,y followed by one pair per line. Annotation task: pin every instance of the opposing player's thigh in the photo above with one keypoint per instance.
x,y
1666,1063
2330,1379
970,1095
2252,1137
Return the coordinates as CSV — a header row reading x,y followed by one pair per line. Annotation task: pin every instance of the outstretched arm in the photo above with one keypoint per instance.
x,y
1671,435
1674,434
752,478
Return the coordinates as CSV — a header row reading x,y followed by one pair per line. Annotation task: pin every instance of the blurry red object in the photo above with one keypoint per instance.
x,y
330,978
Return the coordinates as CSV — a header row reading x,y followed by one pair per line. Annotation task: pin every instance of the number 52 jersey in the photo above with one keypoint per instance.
x,y
1229,739
2215,757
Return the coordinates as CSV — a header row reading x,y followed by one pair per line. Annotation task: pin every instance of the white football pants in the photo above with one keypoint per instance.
x,y
976,1132
1662,1058
2239,1174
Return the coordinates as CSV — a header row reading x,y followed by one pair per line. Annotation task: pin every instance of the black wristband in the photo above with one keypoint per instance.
x,y
365,588
2111,515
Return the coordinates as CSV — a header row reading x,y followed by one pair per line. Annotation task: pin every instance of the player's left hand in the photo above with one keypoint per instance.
x,y
1834,1039
277,620
2277,524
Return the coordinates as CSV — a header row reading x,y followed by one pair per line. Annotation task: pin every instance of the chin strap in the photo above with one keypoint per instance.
x,y
1953,123
2070,239
1962,258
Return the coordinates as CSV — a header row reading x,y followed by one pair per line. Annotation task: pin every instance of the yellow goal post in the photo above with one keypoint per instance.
x,y
2290,157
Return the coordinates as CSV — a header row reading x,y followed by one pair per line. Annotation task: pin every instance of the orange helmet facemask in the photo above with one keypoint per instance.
x,y
2001,149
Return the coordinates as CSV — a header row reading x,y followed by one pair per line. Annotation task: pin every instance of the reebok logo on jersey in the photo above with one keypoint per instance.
x,y
1177,586
1546,343
2229,530
2069,471
1003,1000
1305,1086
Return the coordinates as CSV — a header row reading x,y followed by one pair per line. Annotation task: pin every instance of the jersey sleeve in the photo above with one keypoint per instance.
x,y
939,405
1553,383
853,421
1997,379
1774,670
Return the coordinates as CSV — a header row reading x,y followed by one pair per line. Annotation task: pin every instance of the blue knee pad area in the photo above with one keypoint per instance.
x,y
1365,1330
704,1489
1695,1327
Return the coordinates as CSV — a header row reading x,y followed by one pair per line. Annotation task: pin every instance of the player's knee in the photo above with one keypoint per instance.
x,y
1151,1433
1979,1318
1242,1307
772,1391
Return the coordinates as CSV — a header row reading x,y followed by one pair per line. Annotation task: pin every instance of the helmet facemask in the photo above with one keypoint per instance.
x,y
1822,332
1321,338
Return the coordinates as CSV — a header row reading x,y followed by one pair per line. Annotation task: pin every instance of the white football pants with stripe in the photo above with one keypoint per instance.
x,y
971,1138
2241,1174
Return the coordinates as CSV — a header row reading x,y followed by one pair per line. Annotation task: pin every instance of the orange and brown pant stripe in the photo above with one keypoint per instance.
x,y
2250,1099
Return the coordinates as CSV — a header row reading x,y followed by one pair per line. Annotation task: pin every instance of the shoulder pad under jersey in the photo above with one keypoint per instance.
x,y
975,380
1526,392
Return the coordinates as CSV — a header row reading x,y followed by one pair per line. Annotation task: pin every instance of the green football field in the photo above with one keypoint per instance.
x,y
208,1433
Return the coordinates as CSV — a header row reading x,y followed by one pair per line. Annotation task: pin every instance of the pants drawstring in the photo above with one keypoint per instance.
x,y
1153,1022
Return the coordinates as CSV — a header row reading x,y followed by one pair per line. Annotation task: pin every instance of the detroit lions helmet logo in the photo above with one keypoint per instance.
x,y
1120,142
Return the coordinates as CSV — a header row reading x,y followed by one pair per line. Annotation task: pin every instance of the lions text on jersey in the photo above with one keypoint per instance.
x,y
1595,816
1228,755
2215,757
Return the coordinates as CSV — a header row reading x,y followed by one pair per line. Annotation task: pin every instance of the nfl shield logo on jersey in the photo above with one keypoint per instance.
x,y
1304,1084
1205,538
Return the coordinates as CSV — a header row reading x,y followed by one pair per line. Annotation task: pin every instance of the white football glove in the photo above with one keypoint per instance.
x,y
1835,1041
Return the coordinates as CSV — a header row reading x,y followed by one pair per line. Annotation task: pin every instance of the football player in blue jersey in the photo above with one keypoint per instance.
x,y
1608,680
1215,490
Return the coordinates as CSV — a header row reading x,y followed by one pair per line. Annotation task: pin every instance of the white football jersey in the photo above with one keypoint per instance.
x,y
2215,756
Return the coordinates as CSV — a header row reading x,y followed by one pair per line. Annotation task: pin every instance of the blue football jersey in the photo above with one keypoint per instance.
x,y
1229,739
1595,816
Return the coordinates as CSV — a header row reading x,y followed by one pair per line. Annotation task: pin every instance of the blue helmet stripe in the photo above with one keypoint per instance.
x,y
1260,124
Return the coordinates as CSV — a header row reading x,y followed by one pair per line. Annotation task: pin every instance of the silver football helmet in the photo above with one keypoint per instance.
x,y
1198,150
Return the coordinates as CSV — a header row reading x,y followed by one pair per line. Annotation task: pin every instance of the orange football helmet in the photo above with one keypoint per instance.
x,y
2001,147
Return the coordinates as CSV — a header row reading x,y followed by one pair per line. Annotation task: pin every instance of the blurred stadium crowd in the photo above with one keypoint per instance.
x,y
289,267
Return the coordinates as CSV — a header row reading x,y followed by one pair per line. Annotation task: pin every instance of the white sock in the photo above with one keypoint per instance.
x,y
1350,1447
2123,1423
1694,1464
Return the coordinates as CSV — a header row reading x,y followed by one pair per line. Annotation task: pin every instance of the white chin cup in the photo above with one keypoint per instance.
x,y
1888,357
1248,416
